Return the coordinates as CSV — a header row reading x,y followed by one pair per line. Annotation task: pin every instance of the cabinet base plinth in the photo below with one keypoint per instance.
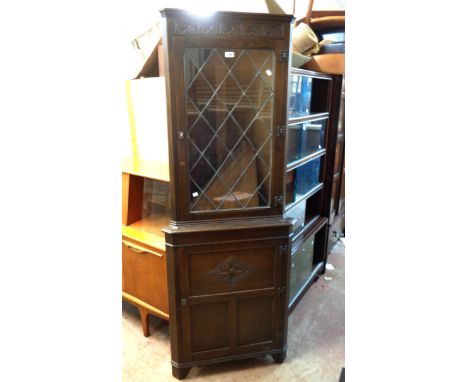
x,y
180,372
280,357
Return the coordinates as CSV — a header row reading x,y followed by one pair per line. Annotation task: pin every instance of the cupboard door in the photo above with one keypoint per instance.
x,y
232,299
229,95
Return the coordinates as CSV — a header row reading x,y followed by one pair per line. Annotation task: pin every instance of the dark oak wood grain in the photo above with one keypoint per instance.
x,y
227,267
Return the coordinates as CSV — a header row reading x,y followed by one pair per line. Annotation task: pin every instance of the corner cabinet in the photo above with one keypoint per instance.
x,y
225,235
227,243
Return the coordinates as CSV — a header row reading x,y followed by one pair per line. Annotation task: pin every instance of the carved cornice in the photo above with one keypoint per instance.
x,y
229,29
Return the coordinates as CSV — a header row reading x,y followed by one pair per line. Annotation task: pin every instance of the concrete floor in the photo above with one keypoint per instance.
x,y
316,341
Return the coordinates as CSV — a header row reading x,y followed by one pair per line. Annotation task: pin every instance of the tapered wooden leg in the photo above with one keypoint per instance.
x,y
180,372
280,357
144,321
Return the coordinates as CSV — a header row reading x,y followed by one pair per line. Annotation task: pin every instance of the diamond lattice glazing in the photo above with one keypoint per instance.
x,y
229,106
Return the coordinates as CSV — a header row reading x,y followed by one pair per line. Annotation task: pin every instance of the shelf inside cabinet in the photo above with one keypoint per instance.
x,y
305,213
308,118
312,226
305,140
310,73
308,93
299,162
317,188
302,181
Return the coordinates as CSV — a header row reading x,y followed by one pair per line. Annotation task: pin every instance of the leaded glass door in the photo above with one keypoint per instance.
x,y
229,102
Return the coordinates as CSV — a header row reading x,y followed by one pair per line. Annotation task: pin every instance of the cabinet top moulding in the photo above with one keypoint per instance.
x,y
231,16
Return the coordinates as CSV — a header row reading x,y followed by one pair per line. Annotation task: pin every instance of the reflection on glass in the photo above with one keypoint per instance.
x,y
302,179
301,266
155,206
229,111
300,96
305,139
298,213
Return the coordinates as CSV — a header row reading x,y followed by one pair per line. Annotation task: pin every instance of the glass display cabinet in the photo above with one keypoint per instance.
x,y
224,237
227,242
305,177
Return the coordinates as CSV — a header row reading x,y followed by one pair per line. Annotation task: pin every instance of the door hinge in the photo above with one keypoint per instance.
x,y
283,249
278,200
284,55
281,290
279,335
280,131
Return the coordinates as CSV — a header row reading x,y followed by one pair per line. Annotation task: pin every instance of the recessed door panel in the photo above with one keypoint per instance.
x,y
255,320
209,326
228,271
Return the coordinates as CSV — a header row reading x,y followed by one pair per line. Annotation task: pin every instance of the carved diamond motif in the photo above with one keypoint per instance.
x,y
232,270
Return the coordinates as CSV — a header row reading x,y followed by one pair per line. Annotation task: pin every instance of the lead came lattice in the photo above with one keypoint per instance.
x,y
229,107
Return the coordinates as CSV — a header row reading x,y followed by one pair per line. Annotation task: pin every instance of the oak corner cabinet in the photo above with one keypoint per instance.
x,y
227,243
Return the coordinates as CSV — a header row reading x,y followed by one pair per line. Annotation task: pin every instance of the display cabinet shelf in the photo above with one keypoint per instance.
x,y
302,181
305,139
299,162
307,118
310,193
308,93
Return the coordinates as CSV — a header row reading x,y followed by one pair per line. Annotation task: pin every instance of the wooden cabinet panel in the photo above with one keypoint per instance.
x,y
213,317
255,320
228,297
223,272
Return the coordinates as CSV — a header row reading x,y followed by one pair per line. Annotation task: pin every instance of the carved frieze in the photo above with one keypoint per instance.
x,y
229,29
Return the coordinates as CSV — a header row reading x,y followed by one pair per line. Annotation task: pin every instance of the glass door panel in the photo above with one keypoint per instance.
x,y
305,139
300,181
229,109
300,95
